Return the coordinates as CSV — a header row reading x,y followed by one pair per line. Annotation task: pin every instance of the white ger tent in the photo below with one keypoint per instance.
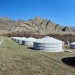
x,y
48,44
22,40
72,45
15,38
30,41
27,41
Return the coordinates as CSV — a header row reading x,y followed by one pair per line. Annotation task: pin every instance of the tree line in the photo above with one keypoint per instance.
x,y
64,37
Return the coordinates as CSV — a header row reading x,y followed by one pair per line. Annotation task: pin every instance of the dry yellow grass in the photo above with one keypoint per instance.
x,y
19,60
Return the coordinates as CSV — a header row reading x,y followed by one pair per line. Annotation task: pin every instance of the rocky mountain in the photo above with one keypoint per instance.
x,y
73,28
35,25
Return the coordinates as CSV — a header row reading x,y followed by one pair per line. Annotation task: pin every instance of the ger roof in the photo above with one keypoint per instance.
x,y
73,43
48,40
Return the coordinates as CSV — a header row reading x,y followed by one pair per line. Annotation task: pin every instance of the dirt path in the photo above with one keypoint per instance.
x,y
1,41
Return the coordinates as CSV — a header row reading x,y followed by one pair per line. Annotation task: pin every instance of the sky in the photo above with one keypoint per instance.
x,y
59,11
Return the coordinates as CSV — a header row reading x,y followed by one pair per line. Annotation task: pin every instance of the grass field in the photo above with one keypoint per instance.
x,y
20,60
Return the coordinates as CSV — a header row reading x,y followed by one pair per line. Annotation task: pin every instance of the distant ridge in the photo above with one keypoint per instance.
x,y
35,25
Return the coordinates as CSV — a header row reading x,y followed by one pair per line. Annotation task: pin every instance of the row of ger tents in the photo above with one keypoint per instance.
x,y
47,44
